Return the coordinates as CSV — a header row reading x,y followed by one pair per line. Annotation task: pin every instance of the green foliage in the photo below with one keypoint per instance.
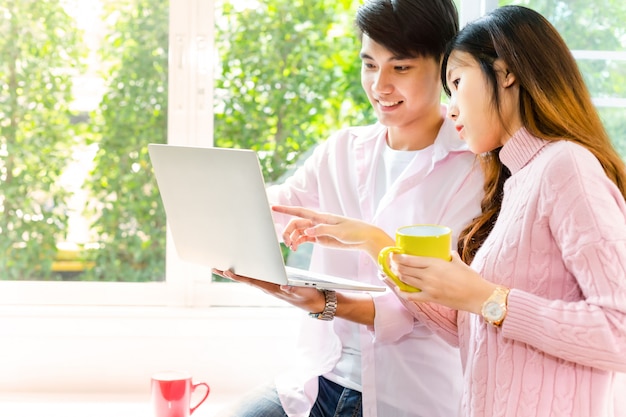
x,y
289,76
280,94
129,217
592,26
39,43
614,119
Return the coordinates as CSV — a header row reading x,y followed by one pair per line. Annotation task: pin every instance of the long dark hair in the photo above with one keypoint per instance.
x,y
554,101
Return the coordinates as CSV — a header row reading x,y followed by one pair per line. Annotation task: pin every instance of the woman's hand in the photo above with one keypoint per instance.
x,y
453,284
308,299
332,231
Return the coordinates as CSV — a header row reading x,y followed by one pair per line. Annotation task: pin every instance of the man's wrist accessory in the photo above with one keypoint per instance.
x,y
330,307
495,308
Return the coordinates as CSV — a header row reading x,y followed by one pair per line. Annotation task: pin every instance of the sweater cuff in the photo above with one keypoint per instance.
x,y
521,320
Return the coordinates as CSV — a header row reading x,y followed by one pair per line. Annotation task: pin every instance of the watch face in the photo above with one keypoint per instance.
x,y
493,311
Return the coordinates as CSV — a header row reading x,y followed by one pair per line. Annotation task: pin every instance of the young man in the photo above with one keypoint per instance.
x,y
364,354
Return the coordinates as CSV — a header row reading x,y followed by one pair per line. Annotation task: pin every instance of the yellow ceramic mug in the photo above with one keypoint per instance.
x,y
418,239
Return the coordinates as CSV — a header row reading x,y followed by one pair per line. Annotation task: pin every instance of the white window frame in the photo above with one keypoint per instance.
x,y
473,9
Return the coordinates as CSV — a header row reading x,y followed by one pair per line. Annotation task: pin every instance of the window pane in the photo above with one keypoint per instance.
x,y
84,89
127,218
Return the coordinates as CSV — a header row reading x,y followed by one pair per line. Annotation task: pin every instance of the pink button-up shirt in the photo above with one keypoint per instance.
x,y
406,370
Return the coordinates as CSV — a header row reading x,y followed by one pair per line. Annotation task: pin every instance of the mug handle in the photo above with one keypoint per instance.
x,y
383,259
206,394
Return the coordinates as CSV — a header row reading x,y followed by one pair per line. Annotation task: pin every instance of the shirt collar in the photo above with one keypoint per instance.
x,y
446,142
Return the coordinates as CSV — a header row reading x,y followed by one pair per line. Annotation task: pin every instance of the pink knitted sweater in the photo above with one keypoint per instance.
x,y
560,245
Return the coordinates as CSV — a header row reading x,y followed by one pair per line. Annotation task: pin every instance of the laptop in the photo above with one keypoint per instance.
x,y
219,215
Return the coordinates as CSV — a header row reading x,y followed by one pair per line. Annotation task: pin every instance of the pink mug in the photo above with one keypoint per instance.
x,y
171,394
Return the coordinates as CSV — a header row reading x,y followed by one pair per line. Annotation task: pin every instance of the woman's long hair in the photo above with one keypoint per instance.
x,y
554,101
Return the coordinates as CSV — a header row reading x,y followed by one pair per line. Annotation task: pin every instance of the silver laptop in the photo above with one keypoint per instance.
x,y
219,215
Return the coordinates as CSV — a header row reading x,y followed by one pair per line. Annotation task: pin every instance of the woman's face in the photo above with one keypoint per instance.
x,y
402,90
472,106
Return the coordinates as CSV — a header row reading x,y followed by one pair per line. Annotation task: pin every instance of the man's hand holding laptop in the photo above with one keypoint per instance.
x,y
309,299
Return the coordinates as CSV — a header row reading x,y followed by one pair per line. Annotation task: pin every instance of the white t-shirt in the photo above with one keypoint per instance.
x,y
347,372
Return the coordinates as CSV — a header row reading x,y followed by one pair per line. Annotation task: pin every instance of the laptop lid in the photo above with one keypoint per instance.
x,y
219,215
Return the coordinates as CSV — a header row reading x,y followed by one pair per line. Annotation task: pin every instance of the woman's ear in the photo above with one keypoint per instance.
x,y
509,79
505,77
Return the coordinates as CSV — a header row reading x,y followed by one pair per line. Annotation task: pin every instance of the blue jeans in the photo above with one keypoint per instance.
x,y
333,400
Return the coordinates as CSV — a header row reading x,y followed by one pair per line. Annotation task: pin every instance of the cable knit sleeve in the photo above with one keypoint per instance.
x,y
439,319
580,316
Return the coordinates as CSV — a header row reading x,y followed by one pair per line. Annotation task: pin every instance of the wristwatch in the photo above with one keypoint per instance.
x,y
329,309
494,309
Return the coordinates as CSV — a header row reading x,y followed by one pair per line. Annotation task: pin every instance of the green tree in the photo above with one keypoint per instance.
x,y
595,26
129,217
288,77
40,50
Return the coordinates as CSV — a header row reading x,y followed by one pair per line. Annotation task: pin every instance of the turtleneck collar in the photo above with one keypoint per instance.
x,y
520,149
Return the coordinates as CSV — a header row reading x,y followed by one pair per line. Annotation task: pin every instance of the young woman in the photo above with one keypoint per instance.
x,y
540,315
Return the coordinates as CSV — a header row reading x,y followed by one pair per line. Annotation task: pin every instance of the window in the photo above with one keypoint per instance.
x,y
187,113
150,82
195,106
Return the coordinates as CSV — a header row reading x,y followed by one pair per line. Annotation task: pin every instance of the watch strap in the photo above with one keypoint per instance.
x,y
330,307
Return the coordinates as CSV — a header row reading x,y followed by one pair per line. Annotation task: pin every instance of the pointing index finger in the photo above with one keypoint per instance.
x,y
300,212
